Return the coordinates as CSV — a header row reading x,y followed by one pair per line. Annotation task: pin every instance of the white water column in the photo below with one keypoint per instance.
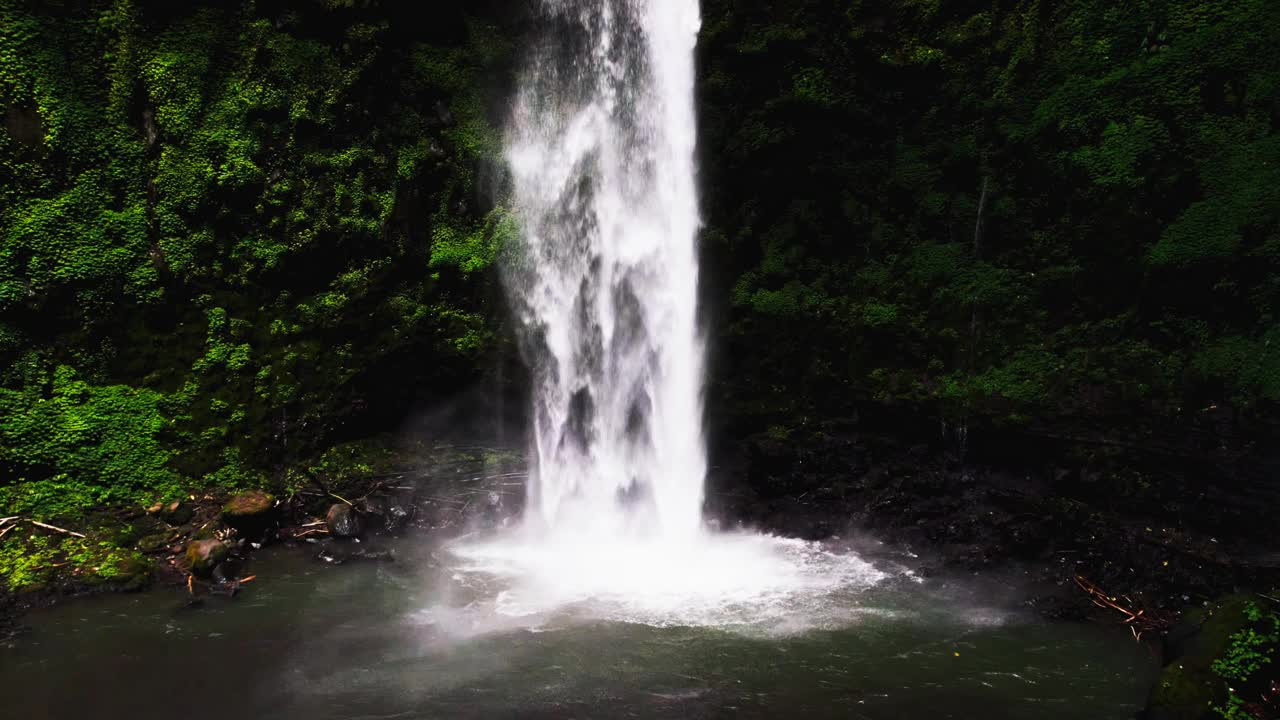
x,y
601,147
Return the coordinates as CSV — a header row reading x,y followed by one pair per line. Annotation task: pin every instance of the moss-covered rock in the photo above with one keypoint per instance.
x,y
251,512
1185,691
132,573
204,555
153,543
1188,688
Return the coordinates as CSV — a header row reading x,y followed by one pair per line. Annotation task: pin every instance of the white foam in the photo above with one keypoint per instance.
x,y
744,581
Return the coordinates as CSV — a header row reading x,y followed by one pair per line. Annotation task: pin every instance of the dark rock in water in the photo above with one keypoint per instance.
x,y
251,513
393,511
343,521
205,555
400,510
220,574
331,556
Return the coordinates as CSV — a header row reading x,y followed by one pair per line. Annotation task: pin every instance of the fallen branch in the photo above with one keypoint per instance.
x,y
55,528
10,519
1138,620
6,531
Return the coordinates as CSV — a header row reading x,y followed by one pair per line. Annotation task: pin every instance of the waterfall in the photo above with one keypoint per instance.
x,y
604,283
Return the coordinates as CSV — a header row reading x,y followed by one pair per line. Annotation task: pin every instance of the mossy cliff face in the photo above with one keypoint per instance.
x,y
228,230
1015,213
233,235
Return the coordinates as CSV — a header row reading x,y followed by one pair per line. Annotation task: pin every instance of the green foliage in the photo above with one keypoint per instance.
x,y
81,446
1060,211
25,565
1249,649
226,228
474,249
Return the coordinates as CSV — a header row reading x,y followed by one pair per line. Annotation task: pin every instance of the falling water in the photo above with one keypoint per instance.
x,y
604,283
601,148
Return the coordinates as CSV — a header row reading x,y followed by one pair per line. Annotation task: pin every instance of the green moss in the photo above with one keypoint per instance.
x,y
209,224
1184,693
358,460
26,563
252,502
94,445
32,560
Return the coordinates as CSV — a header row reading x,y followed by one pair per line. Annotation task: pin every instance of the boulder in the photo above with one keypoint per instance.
x,y
393,511
133,574
251,513
177,513
400,510
205,555
343,521
153,543
1188,687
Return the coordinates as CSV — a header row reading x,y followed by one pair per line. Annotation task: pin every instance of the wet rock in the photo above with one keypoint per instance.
x,y
208,531
205,555
1188,687
331,555
177,513
373,506
221,574
338,555
400,511
393,512
153,543
251,513
133,574
343,521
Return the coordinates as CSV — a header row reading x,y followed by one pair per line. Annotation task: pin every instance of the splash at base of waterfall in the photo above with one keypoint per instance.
x,y
741,581
604,286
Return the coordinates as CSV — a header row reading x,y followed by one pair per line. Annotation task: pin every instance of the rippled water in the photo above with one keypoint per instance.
x,y
437,634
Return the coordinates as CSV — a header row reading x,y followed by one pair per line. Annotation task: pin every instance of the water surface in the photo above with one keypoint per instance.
x,y
415,638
